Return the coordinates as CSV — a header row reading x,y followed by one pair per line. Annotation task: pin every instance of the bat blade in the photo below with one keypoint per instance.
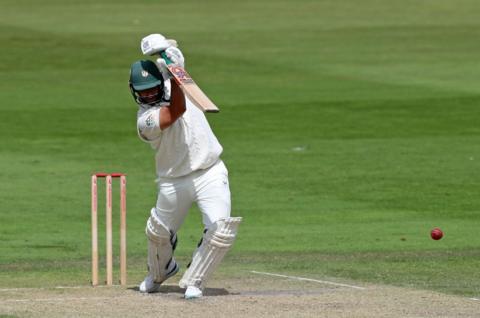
x,y
191,89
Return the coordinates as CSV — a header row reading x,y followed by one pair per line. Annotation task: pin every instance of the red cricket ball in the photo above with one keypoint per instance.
x,y
436,233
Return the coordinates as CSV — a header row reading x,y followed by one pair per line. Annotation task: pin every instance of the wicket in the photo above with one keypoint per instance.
x,y
123,228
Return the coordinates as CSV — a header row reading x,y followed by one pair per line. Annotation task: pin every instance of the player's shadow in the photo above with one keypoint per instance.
x,y
172,289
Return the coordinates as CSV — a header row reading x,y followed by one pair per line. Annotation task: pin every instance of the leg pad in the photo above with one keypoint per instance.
x,y
215,244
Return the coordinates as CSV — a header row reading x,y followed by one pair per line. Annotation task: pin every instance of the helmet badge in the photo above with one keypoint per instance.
x,y
144,73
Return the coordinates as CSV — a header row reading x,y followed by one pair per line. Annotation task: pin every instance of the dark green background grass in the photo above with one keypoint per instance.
x,y
350,130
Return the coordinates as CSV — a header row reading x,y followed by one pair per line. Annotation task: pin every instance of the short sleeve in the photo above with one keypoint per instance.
x,y
148,124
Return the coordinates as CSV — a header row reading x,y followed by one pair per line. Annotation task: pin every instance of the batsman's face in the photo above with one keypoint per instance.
x,y
150,95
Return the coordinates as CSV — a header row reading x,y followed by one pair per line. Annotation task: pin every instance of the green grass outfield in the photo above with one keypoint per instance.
x,y
350,129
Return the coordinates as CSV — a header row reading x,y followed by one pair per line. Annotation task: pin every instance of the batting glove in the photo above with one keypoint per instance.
x,y
176,59
155,43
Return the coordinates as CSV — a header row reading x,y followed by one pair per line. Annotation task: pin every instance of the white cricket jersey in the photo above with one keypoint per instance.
x,y
186,146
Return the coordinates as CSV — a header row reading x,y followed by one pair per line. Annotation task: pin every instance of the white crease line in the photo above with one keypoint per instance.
x,y
474,298
20,289
56,287
309,280
86,286
52,299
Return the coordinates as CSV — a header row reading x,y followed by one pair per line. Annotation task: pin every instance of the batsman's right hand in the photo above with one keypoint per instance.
x,y
175,58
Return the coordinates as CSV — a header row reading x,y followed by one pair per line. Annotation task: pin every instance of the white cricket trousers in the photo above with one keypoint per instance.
x,y
208,188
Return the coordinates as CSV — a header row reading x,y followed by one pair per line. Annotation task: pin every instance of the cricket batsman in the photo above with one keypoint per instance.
x,y
189,170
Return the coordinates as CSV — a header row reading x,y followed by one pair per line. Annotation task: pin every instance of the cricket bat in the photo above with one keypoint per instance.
x,y
189,87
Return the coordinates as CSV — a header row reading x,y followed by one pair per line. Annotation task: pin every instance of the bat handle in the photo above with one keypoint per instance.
x,y
165,57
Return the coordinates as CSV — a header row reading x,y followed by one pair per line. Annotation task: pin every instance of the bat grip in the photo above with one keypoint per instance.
x,y
165,57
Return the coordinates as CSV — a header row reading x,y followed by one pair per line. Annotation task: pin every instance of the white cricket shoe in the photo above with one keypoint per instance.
x,y
193,292
150,286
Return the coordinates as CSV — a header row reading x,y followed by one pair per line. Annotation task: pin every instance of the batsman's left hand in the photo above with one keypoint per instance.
x,y
156,43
